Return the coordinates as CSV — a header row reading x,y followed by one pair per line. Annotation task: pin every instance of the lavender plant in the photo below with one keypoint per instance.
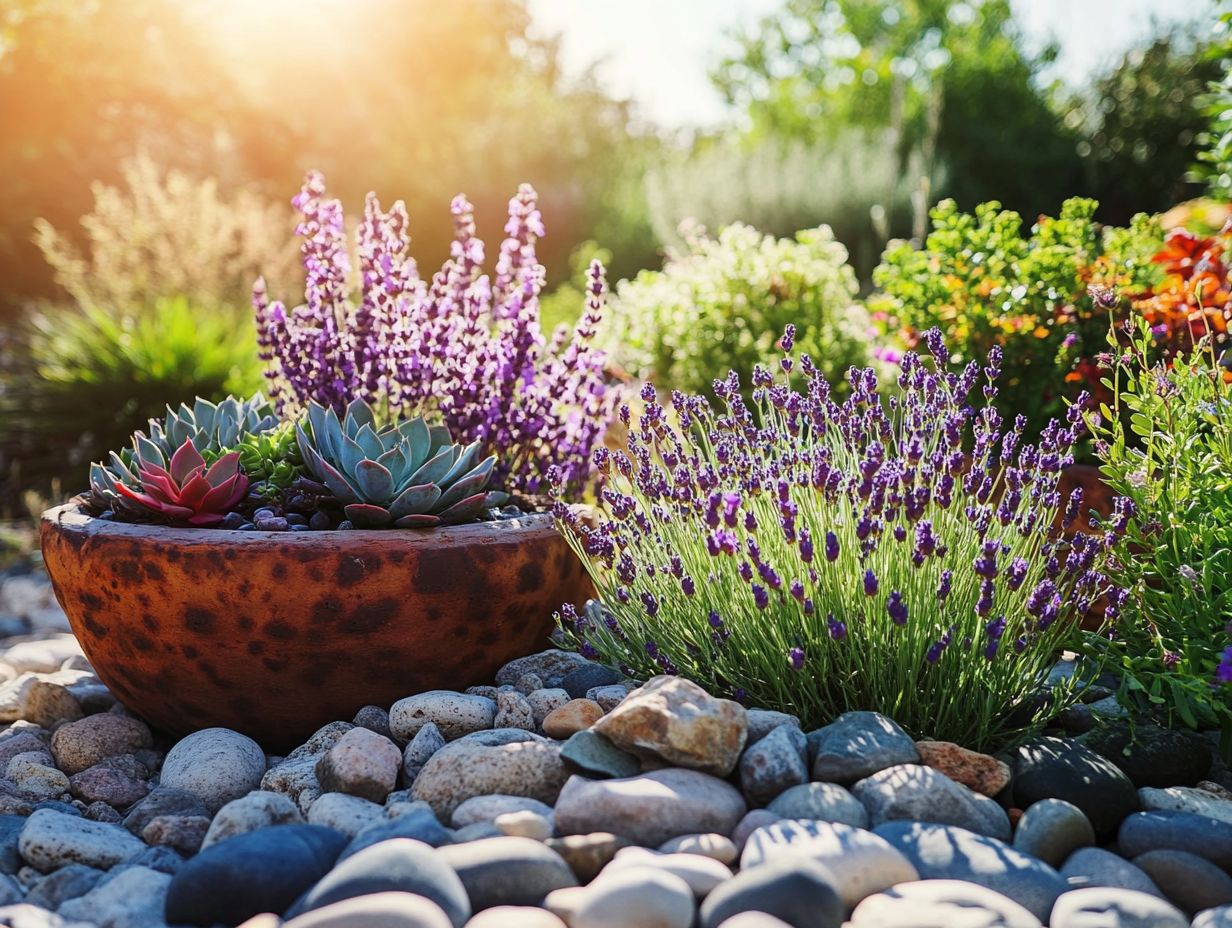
x,y
814,556
464,346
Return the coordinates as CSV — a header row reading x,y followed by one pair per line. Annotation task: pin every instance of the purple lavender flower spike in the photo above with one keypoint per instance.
x,y
831,546
837,629
896,608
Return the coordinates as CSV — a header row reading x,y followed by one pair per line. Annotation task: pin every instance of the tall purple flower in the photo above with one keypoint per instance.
x,y
831,546
896,608
458,346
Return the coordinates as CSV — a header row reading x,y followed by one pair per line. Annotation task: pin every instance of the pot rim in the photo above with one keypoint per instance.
x,y
72,517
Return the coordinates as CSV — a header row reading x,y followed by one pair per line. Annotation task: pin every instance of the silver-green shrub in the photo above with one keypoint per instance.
x,y
718,304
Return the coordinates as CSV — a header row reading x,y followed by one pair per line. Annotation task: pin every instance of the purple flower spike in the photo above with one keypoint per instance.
x,y
832,547
463,346
870,583
1223,673
838,630
897,608
795,658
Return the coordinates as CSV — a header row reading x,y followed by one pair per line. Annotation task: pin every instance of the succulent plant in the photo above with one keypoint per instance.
x,y
212,426
187,490
271,459
209,427
408,474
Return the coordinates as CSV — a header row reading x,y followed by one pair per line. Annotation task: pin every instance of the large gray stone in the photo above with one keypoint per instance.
x,y
454,714
135,896
258,809
650,808
636,897
857,745
1180,831
827,802
1094,866
507,871
507,761
50,840
1190,883
216,764
860,862
1052,829
910,792
400,865
551,666
944,852
1185,799
775,763
375,910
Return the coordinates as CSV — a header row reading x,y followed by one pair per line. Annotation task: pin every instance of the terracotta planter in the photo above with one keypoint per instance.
x,y
274,634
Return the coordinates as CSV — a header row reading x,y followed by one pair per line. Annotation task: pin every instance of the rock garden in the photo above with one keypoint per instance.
x,y
457,629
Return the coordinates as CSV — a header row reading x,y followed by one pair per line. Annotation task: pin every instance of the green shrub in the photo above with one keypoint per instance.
x,y
721,304
1174,462
169,234
1215,158
80,382
984,281
157,291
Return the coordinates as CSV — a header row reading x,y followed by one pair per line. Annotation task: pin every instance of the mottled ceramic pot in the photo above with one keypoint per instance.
x,y
274,634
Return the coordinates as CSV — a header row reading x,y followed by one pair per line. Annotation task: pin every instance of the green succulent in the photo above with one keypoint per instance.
x,y
271,459
408,474
210,427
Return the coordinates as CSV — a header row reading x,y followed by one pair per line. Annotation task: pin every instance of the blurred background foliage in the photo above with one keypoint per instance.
x,y
149,149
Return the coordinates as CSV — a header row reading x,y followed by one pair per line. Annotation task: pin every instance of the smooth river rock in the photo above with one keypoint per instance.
x,y
650,808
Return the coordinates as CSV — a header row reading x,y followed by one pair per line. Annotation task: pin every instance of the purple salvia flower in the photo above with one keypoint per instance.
x,y
788,341
454,346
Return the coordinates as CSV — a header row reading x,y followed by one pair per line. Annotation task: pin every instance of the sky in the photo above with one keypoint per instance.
x,y
658,53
